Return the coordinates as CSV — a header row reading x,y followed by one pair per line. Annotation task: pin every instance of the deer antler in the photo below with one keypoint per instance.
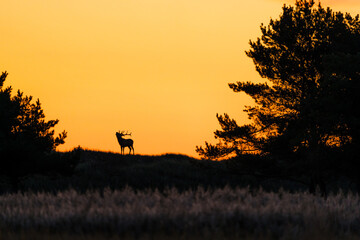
x,y
123,133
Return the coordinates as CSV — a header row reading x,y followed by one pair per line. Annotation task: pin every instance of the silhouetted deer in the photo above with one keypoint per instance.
x,y
125,142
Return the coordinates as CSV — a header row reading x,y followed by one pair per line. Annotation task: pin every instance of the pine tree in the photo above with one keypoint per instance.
x,y
25,135
300,110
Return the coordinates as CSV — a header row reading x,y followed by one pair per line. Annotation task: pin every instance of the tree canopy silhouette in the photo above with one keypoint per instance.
x,y
309,103
24,132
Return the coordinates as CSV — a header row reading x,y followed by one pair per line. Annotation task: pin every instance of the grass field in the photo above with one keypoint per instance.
x,y
110,196
207,214
99,170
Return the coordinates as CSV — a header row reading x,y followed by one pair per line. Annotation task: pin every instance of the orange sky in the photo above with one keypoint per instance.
x,y
158,68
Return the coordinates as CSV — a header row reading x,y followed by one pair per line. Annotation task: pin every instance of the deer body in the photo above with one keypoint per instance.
x,y
125,142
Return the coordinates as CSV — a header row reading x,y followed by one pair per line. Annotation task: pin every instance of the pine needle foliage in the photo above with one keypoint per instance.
x,y
25,135
306,106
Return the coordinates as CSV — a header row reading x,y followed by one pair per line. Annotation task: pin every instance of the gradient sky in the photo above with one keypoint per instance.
x,y
158,68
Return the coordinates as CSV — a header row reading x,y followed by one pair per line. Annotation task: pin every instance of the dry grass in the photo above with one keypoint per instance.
x,y
202,214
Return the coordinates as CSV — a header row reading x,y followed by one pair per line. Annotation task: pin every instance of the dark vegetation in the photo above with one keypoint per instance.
x,y
97,171
100,170
221,213
27,141
305,123
113,196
